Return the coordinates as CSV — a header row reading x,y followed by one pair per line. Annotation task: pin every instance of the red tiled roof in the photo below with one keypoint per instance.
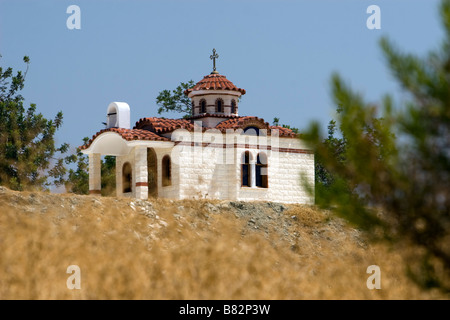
x,y
285,132
129,135
160,125
149,129
213,115
242,122
214,82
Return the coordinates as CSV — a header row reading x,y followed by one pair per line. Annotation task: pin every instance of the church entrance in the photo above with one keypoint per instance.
x,y
152,173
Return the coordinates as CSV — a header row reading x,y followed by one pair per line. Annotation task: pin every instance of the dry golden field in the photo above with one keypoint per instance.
x,y
161,249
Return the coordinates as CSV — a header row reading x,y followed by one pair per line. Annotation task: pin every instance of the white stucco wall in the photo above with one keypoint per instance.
x,y
172,191
208,171
210,122
138,160
205,173
120,161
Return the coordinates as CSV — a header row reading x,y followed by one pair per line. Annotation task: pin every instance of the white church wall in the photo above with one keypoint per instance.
x,y
120,161
95,173
140,172
287,177
210,122
204,173
138,161
207,172
285,174
172,191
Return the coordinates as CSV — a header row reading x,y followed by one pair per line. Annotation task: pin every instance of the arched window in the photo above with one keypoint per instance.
x,y
245,169
219,105
192,108
251,131
166,171
233,106
261,172
152,172
203,106
126,177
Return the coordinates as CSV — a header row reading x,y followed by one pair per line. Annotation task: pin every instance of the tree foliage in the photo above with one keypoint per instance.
x,y
27,142
390,171
175,100
336,149
78,178
108,172
276,122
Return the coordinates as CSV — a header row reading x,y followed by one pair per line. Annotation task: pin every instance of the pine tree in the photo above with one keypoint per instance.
x,y
392,175
27,144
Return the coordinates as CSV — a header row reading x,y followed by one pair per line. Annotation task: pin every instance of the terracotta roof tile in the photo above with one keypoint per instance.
x,y
213,115
285,132
129,135
242,122
214,82
161,125
150,129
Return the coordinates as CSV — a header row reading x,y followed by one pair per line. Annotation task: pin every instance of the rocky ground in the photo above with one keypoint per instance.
x,y
187,249
262,217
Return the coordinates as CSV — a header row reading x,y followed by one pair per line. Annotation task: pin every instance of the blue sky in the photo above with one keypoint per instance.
x,y
282,52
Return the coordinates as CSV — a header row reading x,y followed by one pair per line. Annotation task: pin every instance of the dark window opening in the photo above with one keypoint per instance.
x,y
126,177
246,169
219,105
152,173
203,106
166,171
261,171
233,106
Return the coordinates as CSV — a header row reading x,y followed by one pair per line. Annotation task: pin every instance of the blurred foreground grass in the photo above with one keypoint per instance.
x,y
187,249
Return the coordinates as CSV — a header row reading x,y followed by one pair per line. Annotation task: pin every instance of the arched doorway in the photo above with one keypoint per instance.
x,y
127,178
152,172
166,171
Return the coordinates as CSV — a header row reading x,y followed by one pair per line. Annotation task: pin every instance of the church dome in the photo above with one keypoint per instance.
x,y
214,81
214,96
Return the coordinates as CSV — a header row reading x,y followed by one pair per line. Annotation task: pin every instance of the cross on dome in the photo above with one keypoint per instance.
x,y
213,57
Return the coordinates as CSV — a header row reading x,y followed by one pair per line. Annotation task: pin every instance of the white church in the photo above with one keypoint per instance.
x,y
214,154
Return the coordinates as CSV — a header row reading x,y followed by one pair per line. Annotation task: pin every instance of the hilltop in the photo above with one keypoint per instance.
x,y
187,249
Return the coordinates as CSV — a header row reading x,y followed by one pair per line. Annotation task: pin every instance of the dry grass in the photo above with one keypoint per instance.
x,y
180,250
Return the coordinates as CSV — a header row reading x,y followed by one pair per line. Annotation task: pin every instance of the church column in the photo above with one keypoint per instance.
x,y
141,174
252,173
119,185
95,179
